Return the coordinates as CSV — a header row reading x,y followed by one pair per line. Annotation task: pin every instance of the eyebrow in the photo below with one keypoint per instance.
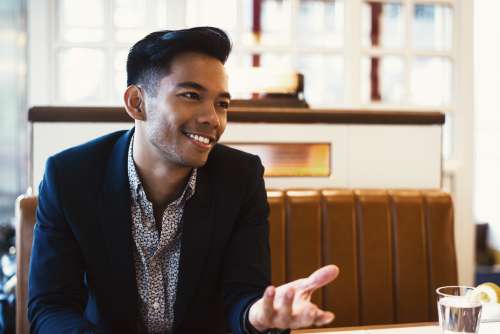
x,y
197,86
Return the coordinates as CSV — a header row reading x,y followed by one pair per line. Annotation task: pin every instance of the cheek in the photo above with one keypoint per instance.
x,y
223,122
163,120
160,128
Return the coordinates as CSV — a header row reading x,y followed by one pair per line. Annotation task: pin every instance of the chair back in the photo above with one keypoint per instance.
x,y
25,222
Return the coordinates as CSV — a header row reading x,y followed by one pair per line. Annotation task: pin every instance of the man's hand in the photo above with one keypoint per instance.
x,y
289,305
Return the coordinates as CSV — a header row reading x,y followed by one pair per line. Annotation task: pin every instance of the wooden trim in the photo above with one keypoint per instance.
x,y
253,115
78,114
372,327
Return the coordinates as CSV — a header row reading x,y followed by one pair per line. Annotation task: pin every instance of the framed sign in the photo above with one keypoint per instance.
x,y
290,159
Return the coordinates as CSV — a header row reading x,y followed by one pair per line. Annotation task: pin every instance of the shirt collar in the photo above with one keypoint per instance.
x,y
136,185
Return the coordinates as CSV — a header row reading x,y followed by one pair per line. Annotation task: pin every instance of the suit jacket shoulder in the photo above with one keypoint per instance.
x,y
234,165
89,157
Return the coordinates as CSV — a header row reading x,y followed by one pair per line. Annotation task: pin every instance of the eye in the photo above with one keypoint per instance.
x,y
190,95
223,104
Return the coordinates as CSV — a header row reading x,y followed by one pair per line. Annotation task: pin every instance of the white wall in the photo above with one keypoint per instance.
x,y
460,166
487,116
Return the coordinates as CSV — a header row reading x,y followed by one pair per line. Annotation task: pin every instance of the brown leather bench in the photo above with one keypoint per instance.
x,y
393,248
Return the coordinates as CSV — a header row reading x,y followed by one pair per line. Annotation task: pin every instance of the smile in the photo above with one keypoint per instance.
x,y
199,138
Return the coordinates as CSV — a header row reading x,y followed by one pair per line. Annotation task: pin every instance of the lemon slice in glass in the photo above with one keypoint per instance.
x,y
487,293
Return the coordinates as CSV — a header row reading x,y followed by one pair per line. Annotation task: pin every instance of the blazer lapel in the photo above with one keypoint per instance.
x,y
197,229
116,225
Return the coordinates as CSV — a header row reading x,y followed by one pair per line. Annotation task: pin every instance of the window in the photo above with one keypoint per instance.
x,y
89,42
400,53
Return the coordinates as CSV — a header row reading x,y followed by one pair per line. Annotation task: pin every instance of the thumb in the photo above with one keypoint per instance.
x,y
320,278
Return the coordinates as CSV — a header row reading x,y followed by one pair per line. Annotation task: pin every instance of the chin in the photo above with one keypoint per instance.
x,y
195,163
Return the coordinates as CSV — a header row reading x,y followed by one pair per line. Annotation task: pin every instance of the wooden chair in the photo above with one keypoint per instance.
x,y
25,221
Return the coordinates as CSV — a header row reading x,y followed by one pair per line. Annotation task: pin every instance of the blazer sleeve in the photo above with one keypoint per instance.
x,y
246,271
57,295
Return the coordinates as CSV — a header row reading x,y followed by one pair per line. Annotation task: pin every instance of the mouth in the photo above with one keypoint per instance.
x,y
202,140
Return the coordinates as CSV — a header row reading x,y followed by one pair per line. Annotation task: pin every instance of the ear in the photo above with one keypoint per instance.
x,y
134,102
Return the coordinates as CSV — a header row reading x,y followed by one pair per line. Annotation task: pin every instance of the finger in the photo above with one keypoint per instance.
x,y
285,316
268,304
307,316
323,318
286,306
320,278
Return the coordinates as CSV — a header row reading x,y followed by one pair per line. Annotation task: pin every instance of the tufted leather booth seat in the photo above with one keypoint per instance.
x,y
394,247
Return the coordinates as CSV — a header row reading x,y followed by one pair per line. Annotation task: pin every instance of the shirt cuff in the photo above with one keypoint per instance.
x,y
247,326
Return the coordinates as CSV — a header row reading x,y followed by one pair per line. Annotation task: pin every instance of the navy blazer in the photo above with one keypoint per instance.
x,y
82,277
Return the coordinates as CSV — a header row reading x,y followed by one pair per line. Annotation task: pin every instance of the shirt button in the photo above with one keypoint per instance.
x,y
156,305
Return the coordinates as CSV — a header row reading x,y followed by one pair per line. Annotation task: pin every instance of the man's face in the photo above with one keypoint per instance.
x,y
188,115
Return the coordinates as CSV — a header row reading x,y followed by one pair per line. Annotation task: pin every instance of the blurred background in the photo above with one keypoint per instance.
x,y
352,53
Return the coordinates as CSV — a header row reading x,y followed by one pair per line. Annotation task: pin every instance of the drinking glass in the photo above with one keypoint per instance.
x,y
459,311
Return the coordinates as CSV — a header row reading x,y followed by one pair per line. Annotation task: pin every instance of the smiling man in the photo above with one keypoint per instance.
x,y
159,229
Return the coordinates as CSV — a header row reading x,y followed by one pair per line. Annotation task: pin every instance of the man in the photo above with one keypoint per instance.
x,y
160,229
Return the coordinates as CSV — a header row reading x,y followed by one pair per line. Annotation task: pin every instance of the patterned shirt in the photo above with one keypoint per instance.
x,y
156,251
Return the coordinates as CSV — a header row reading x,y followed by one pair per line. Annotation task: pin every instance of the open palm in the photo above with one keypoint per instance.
x,y
290,306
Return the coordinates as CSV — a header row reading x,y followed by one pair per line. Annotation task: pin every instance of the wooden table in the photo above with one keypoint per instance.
x,y
419,328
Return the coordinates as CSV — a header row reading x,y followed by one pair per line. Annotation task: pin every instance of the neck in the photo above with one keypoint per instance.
x,y
163,181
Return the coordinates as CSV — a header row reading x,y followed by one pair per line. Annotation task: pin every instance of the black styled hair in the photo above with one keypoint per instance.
x,y
150,58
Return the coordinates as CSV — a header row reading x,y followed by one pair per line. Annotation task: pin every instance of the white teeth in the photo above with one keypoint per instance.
x,y
201,139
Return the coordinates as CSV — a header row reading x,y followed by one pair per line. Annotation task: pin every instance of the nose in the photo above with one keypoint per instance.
x,y
209,116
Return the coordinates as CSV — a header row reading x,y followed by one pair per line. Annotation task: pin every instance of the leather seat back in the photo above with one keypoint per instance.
x,y
394,248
